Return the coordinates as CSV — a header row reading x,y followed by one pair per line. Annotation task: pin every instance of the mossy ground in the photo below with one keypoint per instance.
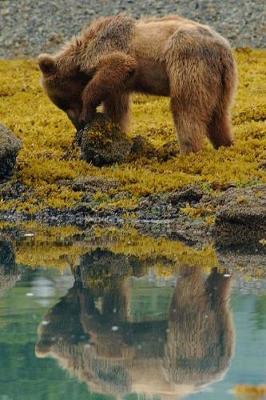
x,y
47,137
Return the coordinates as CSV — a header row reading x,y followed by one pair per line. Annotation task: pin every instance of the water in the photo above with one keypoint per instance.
x,y
107,324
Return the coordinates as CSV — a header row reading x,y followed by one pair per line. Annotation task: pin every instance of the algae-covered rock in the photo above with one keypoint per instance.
x,y
103,143
141,147
9,147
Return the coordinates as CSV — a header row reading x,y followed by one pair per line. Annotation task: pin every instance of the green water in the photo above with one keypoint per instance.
x,y
76,335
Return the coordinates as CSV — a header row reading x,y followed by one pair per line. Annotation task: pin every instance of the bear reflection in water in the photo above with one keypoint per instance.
x,y
121,329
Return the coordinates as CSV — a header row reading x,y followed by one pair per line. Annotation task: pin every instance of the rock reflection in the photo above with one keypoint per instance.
x,y
122,329
8,269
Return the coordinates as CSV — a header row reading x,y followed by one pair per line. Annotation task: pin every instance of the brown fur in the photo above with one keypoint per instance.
x,y
169,56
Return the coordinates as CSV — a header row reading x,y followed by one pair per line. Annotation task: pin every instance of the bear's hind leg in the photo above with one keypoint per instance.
x,y
116,107
219,130
190,128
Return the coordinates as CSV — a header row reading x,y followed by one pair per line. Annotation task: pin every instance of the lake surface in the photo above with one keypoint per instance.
x,y
109,324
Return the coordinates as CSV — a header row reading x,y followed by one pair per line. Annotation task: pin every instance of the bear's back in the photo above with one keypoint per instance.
x,y
151,36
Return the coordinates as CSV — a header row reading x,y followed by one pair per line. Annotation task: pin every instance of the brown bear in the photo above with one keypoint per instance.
x,y
170,56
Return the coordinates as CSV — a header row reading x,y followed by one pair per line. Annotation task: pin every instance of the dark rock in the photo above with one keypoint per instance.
x,y
93,184
9,147
192,194
241,217
166,206
13,190
181,229
83,208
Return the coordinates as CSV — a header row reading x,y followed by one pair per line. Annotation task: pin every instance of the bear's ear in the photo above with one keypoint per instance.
x,y
47,64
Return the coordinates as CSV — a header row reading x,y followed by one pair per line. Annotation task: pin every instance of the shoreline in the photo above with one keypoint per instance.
x,y
231,220
38,245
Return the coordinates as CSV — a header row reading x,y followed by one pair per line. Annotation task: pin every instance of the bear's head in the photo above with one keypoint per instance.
x,y
63,87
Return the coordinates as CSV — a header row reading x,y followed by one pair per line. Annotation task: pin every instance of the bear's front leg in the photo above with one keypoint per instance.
x,y
116,107
113,78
